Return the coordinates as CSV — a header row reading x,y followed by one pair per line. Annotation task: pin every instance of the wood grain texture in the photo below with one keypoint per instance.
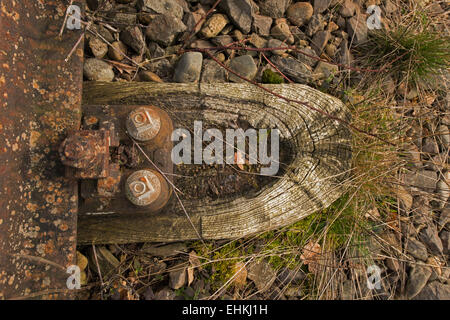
x,y
312,181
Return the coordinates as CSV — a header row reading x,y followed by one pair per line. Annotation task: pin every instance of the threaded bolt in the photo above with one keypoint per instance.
x,y
77,152
143,124
143,187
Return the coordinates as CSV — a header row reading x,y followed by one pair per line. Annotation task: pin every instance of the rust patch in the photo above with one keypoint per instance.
x,y
40,102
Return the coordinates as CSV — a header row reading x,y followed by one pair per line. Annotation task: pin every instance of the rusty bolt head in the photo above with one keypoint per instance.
x,y
143,124
143,187
77,151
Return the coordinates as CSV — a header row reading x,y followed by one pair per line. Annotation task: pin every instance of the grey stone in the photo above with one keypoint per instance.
x,y
444,217
164,28
321,5
445,238
257,41
189,67
429,235
240,13
165,294
155,50
424,180
316,23
418,277
293,69
308,60
161,7
434,291
325,70
275,43
125,18
97,70
244,66
177,278
430,146
213,72
443,192
133,37
417,249
262,274
357,29
273,8
444,135
164,251
262,24
299,13
319,41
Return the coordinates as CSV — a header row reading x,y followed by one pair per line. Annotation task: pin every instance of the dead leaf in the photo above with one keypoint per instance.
x,y
194,260
190,274
373,214
240,274
310,256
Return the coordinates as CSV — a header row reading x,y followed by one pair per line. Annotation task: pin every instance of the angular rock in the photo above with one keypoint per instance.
x,y
321,5
445,238
309,58
97,70
107,262
319,41
165,294
429,235
316,23
430,146
345,56
444,135
133,37
214,25
177,279
418,277
262,25
444,217
293,69
125,18
98,47
117,51
275,43
262,274
417,249
257,41
282,32
164,28
244,66
240,13
273,8
357,28
424,180
325,70
212,72
299,13
189,67
161,7
434,291
348,9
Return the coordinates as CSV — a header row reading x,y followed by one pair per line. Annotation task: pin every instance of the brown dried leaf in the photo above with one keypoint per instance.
x,y
310,256
190,274
194,260
240,272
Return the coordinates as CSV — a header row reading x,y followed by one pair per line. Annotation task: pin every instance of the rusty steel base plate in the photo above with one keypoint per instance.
x,y
40,101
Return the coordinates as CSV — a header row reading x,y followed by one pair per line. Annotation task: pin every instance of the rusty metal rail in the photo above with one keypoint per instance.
x,y
40,102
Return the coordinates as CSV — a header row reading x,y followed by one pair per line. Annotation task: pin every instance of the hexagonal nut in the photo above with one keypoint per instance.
x,y
143,124
143,187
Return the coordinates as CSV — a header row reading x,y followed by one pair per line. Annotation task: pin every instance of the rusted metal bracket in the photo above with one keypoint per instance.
x,y
114,174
